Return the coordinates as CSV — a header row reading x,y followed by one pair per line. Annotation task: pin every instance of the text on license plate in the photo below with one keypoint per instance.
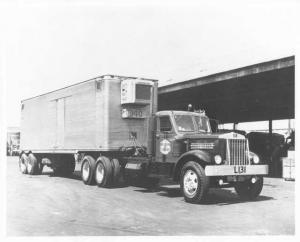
x,y
239,169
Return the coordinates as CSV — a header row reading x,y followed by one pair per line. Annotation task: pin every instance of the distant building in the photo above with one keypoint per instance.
x,y
13,141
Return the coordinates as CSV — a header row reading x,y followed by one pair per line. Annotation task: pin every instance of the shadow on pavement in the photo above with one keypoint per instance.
x,y
223,197
75,175
215,196
218,197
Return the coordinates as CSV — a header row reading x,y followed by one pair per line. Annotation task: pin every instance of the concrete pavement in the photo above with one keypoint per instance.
x,y
46,205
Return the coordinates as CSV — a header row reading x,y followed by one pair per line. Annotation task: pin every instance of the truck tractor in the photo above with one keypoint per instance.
x,y
111,127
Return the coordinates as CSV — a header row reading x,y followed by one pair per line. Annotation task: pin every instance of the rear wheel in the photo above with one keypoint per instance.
x,y
104,172
87,170
116,171
193,182
23,163
248,190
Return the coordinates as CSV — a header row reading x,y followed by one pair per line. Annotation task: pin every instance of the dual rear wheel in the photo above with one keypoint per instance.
x,y
29,164
32,164
103,171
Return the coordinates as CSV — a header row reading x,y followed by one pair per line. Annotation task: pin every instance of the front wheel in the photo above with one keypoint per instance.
x,y
247,190
194,183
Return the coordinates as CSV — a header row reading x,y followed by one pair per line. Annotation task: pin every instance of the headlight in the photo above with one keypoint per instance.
x,y
254,158
218,159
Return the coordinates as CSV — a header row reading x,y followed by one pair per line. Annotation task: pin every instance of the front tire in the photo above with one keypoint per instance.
x,y
248,190
194,183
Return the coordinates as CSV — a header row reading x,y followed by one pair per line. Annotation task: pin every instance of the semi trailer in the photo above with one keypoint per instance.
x,y
110,125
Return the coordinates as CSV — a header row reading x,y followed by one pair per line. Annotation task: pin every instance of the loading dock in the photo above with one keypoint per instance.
x,y
263,91
259,92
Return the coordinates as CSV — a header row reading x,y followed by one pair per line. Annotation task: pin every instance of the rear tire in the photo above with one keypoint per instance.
x,y
248,190
104,172
88,170
194,183
23,163
116,171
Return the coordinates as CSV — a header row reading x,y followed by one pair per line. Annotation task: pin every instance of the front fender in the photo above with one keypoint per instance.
x,y
199,154
203,157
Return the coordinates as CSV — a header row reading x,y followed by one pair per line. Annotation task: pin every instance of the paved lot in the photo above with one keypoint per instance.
x,y
48,205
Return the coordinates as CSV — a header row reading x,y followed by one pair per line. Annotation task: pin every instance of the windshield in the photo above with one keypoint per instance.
x,y
184,123
202,123
191,123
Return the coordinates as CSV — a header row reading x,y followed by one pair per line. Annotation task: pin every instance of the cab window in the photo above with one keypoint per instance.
x,y
165,124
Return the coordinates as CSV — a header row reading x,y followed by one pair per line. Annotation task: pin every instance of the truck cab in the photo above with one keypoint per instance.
x,y
187,151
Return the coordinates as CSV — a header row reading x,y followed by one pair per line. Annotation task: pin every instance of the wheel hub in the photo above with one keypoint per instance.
x,y
190,182
99,173
85,171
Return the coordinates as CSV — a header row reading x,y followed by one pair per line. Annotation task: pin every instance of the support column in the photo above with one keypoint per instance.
x,y
289,126
270,127
272,169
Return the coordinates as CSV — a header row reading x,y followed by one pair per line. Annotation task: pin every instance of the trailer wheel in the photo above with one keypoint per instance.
x,y
248,190
87,170
23,163
194,183
116,171
32,165
104,172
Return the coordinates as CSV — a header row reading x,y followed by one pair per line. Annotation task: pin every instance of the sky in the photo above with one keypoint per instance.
x,y
47,45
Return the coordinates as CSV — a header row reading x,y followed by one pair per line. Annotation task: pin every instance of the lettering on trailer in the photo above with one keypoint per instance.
x,y
132,113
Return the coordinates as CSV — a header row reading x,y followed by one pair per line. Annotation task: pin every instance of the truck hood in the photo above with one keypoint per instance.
x,y
231,135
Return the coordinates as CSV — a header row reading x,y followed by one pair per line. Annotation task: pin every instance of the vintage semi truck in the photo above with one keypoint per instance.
x,y
111,126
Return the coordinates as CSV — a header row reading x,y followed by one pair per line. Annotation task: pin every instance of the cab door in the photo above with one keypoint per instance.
x,y
164,137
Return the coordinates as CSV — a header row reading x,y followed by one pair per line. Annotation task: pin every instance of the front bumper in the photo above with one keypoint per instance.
x,y
226,170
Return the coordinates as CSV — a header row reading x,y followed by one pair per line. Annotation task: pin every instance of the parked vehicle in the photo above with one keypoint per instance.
x,y
270,148
110,125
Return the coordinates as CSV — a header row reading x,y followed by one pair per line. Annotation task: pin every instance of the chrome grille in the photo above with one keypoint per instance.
x,y
237,152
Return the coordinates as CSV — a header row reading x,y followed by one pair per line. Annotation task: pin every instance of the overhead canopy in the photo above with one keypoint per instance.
x,y
263,91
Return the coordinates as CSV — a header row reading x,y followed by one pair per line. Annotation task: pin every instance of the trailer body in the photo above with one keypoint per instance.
x,y
87,116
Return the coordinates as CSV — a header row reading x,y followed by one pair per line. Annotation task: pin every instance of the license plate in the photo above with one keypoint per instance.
x,y
239,169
